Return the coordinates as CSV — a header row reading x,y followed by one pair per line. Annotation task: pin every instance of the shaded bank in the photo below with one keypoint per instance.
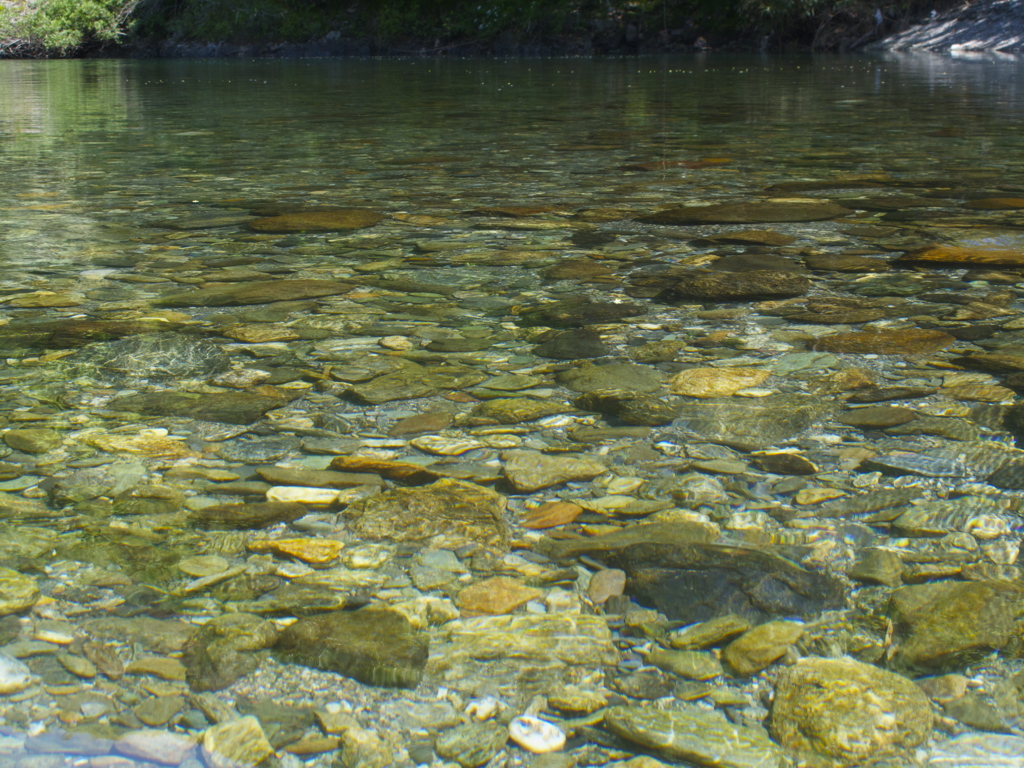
x,y
282,28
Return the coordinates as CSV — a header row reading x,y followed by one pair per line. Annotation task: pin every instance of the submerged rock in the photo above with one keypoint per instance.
x,y
257,292
755,423
756,212
317,221
736,286
220,407
373,645
944,626
456,512
848,711
899,341
156,356
695,735
689,579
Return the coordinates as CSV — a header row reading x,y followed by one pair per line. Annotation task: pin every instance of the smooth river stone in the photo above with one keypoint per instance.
x,y
373,645
628,377
757,212
312,551
758,647
694,735
33,439
737,286
14,675
672,567
750,237
516,410
239,743
551,514
752,422
850,712
530,471
456,512
228,517
316,478
318,221
257,292
576,344
943,626
219,407
971,257
576,313
18,592
144,445
716,382
494,596
403,471
897,341
568,639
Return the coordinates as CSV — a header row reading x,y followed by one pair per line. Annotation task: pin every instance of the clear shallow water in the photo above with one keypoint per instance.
x,y
104,144
109,170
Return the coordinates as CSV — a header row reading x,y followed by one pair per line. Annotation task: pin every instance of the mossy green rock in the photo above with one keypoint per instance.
x,y
471,744
515,410
627,377
258,292
219,407
737,286
849,712
462,513
756,212
318,221
753,422
33,439
373,645
943,626
18,592
695,735
756,648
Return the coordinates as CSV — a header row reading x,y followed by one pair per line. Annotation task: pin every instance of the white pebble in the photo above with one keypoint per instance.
x,y
536,735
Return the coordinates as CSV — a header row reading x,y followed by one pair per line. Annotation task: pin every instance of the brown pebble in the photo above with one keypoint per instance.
x,y
551,514
606,584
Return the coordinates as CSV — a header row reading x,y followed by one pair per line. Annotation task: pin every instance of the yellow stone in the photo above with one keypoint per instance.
x,y
260,333
46,299
494,596
952,254
716,382
808,496
158,666
311,551
148,445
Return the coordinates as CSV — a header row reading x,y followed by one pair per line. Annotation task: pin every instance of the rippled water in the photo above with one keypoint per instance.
x,y
125,182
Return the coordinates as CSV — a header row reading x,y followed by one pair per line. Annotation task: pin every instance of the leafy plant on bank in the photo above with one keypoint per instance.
x,y
63,27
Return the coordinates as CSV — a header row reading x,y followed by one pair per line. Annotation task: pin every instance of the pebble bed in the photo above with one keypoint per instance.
x,y
622,456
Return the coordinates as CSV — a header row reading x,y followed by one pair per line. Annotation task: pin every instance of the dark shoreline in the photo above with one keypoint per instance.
x,y
983,26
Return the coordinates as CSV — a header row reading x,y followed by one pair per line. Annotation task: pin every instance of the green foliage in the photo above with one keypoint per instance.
x,y
65,26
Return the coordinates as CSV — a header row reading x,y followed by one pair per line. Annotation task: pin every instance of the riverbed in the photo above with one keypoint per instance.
x,y
541,412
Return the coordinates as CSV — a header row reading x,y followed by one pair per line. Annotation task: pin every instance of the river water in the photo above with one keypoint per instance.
x,y
322,326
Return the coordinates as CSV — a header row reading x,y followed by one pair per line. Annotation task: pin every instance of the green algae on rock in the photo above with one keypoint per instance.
x,y
944,625
460,513
317,221
373,645
756,212
695,735
220,407
256,292
735,286
848,711
895,341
